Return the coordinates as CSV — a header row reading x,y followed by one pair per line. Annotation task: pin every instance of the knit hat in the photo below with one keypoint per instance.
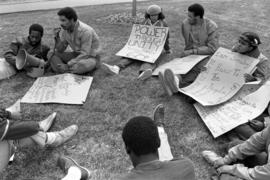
x,y
153,10
251,38
36,27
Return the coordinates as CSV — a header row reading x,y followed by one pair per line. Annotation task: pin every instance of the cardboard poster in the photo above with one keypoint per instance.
x,y
145,43
246,105
223,78
180,65
64,88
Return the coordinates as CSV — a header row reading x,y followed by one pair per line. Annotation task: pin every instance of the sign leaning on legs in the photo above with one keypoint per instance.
x,y
145,43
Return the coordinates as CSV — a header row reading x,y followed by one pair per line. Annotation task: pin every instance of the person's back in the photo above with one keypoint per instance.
x,y
179,169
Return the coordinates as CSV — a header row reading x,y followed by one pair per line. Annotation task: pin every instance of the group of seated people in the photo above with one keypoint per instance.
x,y
140,134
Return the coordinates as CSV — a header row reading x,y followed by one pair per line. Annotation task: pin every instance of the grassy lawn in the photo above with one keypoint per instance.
x,y
112,100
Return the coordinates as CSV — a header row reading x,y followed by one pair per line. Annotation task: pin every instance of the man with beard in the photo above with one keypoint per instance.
x,y
82,39
31,44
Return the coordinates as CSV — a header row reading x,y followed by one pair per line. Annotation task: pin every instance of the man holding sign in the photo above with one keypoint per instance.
x,y
145,45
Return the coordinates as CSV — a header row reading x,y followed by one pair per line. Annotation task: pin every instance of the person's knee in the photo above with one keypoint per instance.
x,y
84,66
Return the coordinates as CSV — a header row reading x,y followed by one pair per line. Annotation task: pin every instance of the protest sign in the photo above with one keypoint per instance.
x,y
164,150
180,65
224,76
65,88
246,105
145,43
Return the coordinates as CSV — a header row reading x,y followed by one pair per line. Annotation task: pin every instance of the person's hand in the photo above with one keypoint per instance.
x,y
72,62
219,162
56,32
248,77
10,57
186,53
257,125
225,169
203,68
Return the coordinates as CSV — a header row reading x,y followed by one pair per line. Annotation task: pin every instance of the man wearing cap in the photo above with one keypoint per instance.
x,y
31,44
82,39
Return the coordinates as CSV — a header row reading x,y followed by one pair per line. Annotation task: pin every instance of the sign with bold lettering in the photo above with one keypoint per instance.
x,y
246,105
223,78
145,43
64,88
180,65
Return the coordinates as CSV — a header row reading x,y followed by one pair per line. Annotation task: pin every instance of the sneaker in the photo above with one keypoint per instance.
x,y
66,162
210,156
164,85
158,114
64,135
171,80
47,123
145,75
110,69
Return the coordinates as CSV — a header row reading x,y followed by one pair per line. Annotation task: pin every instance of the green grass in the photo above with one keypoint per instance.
x,y
112,100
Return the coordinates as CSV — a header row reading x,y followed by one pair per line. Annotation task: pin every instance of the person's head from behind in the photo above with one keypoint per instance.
x,y
195,13
141,139
247,42
35,34
154,13
67,17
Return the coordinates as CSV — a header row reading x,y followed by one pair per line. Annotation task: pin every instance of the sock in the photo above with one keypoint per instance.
x,y
74,173
40,138
51,136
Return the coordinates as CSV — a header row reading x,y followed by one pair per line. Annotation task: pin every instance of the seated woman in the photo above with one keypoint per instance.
x,y
26,133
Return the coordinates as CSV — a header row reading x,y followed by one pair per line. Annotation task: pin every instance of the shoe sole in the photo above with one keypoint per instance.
x,y
160,106
52,118
146,74
163,84
88,172
170,80
107,69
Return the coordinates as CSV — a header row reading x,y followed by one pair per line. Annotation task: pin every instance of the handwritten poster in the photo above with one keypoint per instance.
x,y
145,43
180,65
222,79
164,150
64,88
246,105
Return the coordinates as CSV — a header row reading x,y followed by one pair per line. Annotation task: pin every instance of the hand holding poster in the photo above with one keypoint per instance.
x,y
64,88
222,79
244,106
180,65
145,43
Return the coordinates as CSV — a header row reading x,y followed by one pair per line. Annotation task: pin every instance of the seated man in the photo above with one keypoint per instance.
x,y
235,165
82,39
26,133
31,44
201,38
142,141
